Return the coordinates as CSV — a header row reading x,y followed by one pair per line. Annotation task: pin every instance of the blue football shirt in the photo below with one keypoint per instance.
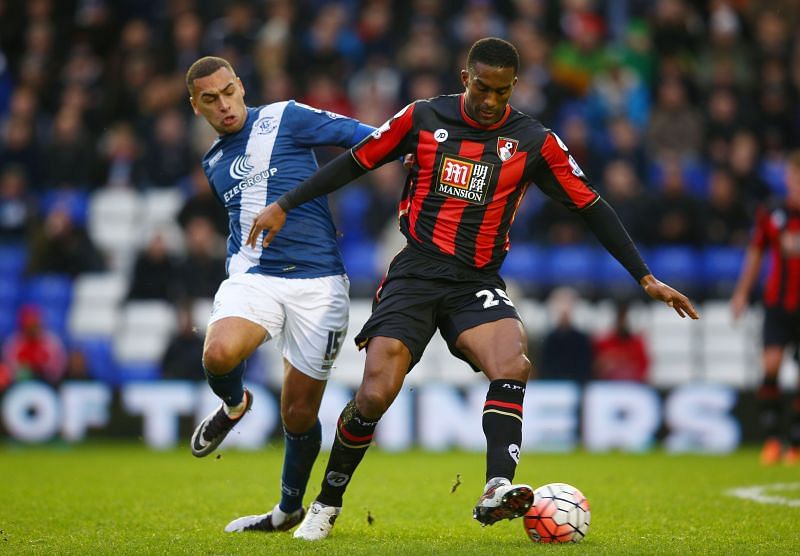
x,y
270,155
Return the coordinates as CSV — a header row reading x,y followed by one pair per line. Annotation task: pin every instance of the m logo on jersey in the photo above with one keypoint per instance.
x,y
506,148
240,167
465,179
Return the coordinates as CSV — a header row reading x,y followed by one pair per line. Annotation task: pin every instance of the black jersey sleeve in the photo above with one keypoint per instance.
x,y
607,227
337,173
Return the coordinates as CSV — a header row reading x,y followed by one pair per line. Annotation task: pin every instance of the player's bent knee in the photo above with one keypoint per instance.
x,y
219,358
297,418
372,402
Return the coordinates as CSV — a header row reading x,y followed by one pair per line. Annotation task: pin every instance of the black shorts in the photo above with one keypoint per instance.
x,y
420,294
782,328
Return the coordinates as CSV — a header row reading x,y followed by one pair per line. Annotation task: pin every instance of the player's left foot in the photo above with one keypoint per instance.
x,y
215,427
792,456
318,522
271,522
502,500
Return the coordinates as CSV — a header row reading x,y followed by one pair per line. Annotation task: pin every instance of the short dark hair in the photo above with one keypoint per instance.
x,y
204,67
493,52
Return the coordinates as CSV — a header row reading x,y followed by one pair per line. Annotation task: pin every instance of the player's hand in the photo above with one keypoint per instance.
x,y
738,304
662,292
271,219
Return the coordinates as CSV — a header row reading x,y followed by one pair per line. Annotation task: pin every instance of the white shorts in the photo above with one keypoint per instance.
x,y
307,316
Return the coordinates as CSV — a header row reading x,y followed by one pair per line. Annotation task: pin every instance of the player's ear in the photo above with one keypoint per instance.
x,y
465,78
194,106
241,85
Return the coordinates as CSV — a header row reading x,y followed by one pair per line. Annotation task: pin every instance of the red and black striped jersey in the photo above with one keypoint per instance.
x,y
462,194
778,231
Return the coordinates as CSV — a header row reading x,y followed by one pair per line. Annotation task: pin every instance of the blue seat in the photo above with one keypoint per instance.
x,y
13,259
99,358
131,372
11,288
525,263
75,201
612,275
49,290
676,264
8,323
573,265
722,265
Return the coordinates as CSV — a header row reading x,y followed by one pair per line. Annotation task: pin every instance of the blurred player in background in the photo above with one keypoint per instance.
x,y
296,291
475,156
777,231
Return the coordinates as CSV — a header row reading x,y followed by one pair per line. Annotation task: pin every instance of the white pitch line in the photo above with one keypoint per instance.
x,y
758,493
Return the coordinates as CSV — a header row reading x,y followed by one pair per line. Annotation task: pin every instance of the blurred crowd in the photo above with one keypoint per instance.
x,y
681,112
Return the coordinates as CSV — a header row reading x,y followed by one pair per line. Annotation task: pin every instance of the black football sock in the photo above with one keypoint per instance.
x,y
502,426
769,405
794,425
353,436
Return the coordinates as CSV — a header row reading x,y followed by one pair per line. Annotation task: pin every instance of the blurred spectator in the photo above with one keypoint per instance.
x,y
677,28
168,157
566,350
621,354
675,125
15,205
477,19
744,162
20,147
186,41
201,202
625,143
618,92
622,189
673,215
200,272
69,153
724,118
32,351
60,245
120,162
153,272
77,367
184,353
726,218
582,55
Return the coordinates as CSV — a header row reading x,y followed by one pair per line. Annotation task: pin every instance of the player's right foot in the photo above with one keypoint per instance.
x,y
318,522
215,427
268,523
771,452
502,500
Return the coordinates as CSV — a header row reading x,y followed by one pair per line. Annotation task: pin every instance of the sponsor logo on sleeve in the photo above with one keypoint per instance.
x,y
465,179
440,135
214,159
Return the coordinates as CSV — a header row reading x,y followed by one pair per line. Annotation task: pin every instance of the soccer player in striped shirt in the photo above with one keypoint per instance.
x,y
475,157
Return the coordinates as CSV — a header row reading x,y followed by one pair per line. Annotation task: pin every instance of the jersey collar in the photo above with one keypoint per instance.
x,y
474,123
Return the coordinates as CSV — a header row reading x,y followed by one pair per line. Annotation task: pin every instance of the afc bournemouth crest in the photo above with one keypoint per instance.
x,y
506,148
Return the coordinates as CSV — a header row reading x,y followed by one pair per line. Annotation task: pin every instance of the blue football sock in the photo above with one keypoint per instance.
x,y
300,452
229,387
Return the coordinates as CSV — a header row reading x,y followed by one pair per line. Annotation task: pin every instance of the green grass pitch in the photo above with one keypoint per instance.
x,y
125,499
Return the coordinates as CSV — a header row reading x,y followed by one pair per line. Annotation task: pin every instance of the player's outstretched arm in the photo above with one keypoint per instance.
x,y
662,292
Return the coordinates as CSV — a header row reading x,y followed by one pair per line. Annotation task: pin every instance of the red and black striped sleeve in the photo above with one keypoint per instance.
x,y
762,230
387,142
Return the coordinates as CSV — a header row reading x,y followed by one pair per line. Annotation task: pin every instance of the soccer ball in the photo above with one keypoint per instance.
x,y
559,513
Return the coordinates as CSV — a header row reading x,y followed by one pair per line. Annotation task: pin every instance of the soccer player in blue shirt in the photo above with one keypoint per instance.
x,y
295,291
